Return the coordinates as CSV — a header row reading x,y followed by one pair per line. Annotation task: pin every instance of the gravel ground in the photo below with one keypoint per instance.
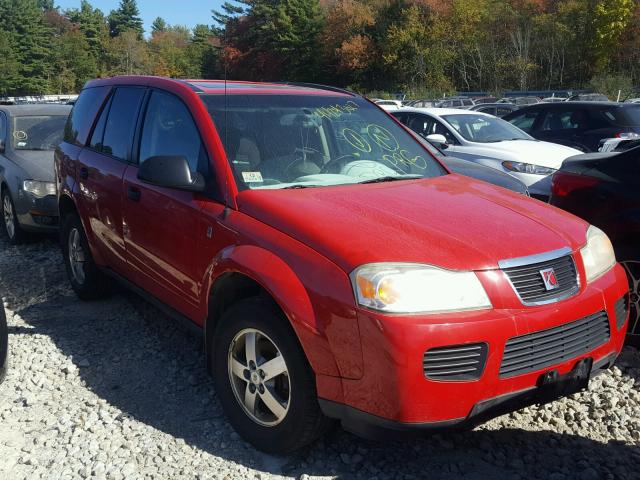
x,y
115,390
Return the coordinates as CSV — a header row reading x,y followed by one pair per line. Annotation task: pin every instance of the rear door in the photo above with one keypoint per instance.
x,y
101,167
566,126
163,226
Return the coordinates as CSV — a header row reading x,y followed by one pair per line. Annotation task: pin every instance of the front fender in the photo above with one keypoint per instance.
x,y
327,331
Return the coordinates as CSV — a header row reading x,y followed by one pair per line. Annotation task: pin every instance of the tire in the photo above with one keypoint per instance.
x,y
632,267
4,342
299,420
12,228
85,277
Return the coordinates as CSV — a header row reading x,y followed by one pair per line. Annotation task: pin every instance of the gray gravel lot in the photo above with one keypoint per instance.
x,y
115,390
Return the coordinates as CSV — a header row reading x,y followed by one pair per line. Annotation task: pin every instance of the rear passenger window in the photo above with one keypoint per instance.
x,y
566,120
169,130
118,132
98,132
84,111
525,121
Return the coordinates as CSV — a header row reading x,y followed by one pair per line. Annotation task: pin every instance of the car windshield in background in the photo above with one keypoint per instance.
x,y
628,116
37,132
484,129
294,141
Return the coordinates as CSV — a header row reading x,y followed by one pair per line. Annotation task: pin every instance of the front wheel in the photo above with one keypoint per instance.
x,y
12,228
263,380
86,279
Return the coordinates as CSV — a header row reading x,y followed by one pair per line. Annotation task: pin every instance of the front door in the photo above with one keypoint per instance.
x,y
163,227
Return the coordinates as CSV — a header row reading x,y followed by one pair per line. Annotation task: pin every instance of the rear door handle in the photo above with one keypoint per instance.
x,y
84,173
134,194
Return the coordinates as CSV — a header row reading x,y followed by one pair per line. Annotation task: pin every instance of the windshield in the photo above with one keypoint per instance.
x,y
37,132
484,129
293,141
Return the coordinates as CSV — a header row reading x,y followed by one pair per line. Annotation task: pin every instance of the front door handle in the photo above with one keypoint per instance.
x,y
84,173
134,194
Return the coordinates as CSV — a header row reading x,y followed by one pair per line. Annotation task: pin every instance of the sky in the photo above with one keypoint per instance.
x,y
175,12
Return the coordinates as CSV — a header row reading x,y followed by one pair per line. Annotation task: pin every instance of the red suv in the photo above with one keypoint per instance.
x,y
338,271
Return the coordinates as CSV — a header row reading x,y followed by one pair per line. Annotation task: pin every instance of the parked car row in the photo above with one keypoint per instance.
x,y
336,267
579,125
490,141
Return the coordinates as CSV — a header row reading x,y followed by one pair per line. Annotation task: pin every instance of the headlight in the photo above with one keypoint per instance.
x,y
39,189
597,255
527,168
414,288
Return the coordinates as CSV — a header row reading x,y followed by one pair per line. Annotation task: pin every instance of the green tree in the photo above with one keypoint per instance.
x,y
125,18
127,54
414,54
204,51
22,22
159,25
9,65
93,24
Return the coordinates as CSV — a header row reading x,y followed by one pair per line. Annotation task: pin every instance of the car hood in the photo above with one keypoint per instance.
x,y
450,221
535,152
37,164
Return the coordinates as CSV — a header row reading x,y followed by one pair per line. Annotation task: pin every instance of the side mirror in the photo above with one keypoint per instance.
x,y
439,139
171,172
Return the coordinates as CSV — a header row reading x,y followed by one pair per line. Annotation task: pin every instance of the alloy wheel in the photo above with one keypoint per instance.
x,y
9,216
259,377
633,274
76,256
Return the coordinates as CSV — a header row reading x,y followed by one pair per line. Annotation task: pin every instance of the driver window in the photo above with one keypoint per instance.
x,y
439,128
169,130
420,124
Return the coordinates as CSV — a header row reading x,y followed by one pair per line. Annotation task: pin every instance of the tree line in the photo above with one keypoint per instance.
x,y
426,47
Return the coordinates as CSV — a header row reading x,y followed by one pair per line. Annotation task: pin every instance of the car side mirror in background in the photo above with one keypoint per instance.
x,y
171,172
438,139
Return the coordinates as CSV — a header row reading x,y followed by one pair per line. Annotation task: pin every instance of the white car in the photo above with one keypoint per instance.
x,y
490,141
389,104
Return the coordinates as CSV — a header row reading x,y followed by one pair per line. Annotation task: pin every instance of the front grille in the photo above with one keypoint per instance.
x,y
621,308
455,362
537,350
528,283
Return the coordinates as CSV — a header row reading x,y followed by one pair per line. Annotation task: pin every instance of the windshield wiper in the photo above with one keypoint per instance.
x,y
291,187
391,179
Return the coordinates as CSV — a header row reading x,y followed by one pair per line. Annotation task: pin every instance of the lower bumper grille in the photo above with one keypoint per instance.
x,y
621,308
537,350
455,362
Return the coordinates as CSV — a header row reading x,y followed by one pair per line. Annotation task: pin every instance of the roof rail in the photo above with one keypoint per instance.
x,y
319,87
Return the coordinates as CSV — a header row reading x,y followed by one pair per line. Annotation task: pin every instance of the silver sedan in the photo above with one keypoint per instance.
x,y
29,135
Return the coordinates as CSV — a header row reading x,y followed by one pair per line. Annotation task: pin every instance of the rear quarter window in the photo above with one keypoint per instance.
x,y
82,116
625,117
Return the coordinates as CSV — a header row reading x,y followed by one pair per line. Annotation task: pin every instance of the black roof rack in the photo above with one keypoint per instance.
x,y
319,87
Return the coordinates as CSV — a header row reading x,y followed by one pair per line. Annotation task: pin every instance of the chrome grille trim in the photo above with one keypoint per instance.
x,y
524,277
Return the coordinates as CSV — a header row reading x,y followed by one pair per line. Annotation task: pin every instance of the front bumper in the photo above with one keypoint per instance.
x,y
394,389
37,214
